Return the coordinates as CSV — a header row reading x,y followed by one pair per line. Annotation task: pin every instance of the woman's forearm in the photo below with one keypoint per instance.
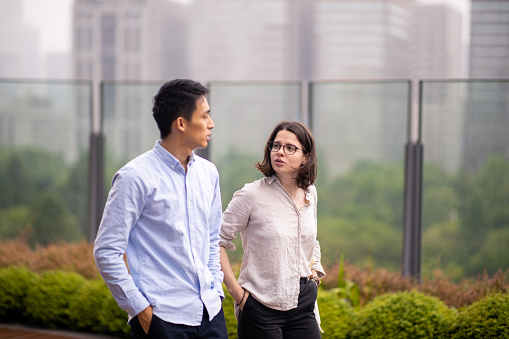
x,y
230,281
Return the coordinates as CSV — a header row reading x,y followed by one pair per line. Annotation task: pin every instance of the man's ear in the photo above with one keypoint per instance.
x,y
179,124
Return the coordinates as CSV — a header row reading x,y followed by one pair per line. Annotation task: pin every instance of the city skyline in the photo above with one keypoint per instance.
x,y
54,41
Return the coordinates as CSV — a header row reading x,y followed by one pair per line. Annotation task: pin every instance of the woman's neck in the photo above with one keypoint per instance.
x,y
289,184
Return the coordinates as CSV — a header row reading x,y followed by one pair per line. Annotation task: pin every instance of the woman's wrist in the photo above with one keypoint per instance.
x,y
315,279
242,299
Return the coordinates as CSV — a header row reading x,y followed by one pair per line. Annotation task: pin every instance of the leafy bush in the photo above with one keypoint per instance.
x,y
113,319
94,309
404,315
336,315
468,290
229,314
486,318
75,257
15,282
47,302
375,282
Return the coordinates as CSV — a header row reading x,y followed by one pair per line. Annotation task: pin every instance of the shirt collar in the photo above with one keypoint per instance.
x,y
273,178
168,158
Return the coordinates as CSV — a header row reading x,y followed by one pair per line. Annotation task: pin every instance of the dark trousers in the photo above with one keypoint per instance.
x,y
160,329
257,321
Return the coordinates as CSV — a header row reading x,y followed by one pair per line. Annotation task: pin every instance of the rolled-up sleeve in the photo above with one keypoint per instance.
x,y
317,256
235,218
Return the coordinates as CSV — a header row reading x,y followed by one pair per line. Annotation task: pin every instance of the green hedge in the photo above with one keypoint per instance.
x,y
94,309
14,282
68,301
486,318
404,315
229,314
47,302
336,315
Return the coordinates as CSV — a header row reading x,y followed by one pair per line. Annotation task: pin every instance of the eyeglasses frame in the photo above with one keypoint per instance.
x,y
280,145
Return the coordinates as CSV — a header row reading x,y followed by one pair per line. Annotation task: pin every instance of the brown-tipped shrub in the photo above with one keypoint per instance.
x,y
375,282
468,290
75,257
371,282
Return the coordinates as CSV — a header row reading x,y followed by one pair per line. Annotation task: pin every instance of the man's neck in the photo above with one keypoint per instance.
x,y
179,151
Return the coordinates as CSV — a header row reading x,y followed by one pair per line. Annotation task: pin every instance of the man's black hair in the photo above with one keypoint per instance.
x,y
176,98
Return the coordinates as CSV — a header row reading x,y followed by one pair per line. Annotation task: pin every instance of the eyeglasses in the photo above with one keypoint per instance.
x,y
289,149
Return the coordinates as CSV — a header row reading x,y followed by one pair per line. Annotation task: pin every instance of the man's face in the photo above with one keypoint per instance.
x,y
198,129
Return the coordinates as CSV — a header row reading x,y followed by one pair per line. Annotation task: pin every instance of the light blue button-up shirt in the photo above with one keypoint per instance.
x,y
167,221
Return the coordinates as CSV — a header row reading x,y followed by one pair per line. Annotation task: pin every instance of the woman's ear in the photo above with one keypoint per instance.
x,y
305,160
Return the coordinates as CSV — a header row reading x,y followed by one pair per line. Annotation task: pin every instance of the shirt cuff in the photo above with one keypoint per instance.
x,y
135,305
319,270
227,244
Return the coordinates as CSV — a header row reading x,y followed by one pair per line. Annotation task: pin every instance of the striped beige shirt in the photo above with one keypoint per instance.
x,y
279,241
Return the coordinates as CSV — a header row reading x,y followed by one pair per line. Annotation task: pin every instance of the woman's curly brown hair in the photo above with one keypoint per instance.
x,y
307,172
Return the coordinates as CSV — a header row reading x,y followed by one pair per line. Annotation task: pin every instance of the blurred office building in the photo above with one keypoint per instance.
x,y
489,42
129,40
438,52
487,100
361,39
235,40
269,40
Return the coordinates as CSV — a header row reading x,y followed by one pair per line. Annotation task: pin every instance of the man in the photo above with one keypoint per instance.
x,y
164,212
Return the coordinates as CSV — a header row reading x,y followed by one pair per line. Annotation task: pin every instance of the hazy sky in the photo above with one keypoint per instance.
x,y
52,19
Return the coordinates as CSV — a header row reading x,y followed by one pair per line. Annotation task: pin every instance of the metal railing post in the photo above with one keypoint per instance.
x,y
96,163
412,232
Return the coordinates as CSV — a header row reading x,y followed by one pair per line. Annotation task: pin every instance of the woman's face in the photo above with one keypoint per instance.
x,y
286,164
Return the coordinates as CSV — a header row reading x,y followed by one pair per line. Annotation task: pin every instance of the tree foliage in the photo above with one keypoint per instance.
x,y
465,215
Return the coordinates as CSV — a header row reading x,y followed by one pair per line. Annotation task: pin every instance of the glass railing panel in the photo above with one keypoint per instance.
x,y
127,123
361,130
44,156
244,115
465,217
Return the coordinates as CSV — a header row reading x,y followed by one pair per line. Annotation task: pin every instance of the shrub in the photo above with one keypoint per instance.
x,y
335,314
486,318
75,257
86,308
47,302
404,315
375,282
15,282
468,290
113,319
229,314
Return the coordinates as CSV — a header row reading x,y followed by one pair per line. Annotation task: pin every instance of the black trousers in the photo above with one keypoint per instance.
x,y
160,329
257,321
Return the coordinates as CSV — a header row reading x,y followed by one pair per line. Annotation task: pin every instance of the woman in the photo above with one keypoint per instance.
x,y
276,218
